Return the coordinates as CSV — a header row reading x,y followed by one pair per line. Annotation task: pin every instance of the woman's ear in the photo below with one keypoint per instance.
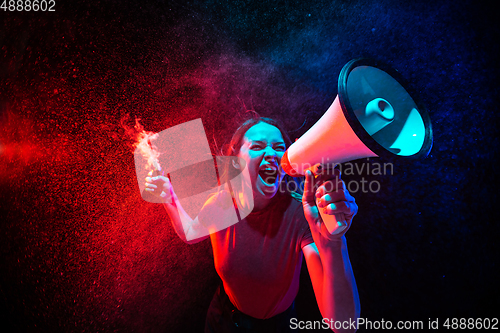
x,y
236,165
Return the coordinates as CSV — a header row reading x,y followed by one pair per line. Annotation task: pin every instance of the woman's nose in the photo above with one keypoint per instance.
x,y
270,153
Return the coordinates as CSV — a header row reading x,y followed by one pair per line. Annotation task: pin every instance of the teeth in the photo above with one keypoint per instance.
x,y
269,168
269,174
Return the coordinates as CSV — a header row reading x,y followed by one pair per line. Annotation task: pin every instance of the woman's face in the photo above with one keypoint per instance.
x,y
262,149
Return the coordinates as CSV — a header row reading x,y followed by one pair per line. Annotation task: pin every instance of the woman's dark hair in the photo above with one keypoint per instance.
x,y
236,141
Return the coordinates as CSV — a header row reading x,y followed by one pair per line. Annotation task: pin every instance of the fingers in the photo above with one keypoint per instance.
x,y
308,195
309,189
322,178
327,179
333,198
335,186
326,171
157,179
154,184
349,208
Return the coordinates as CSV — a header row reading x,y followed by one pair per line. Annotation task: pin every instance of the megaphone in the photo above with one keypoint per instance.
x,y
375,114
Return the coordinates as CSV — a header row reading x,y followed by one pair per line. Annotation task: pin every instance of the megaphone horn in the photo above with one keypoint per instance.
x,y
375,114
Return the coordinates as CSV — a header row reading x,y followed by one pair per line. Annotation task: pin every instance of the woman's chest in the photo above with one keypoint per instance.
x,y
256,254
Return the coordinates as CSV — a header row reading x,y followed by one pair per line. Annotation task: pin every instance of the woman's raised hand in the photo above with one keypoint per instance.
x,y
333,198
159,185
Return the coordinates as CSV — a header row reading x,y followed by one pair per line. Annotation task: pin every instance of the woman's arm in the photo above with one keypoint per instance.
x,y
189,230
327,258
333,283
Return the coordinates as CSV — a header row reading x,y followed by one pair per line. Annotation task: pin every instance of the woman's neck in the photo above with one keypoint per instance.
x,y
263,203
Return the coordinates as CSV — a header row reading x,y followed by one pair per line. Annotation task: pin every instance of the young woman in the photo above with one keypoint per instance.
x,y
259,258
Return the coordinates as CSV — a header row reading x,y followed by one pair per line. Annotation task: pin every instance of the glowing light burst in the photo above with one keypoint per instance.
x,y
143,141
24,146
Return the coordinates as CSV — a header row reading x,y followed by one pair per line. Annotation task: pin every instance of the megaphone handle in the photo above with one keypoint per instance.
x,y
335,224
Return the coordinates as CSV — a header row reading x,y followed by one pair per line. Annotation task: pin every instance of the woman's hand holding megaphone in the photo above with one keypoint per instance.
x,y
328,206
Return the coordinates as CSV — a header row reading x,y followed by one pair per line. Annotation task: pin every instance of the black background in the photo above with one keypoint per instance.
x,y
81,251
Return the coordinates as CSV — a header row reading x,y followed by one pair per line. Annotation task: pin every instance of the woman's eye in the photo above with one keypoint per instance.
x,y
256,147
280,148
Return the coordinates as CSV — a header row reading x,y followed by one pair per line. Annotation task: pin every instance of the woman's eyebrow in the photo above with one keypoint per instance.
x,y
258,141
264,142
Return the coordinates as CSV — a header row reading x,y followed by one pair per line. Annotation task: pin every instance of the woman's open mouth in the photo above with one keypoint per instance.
x,y
269,175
